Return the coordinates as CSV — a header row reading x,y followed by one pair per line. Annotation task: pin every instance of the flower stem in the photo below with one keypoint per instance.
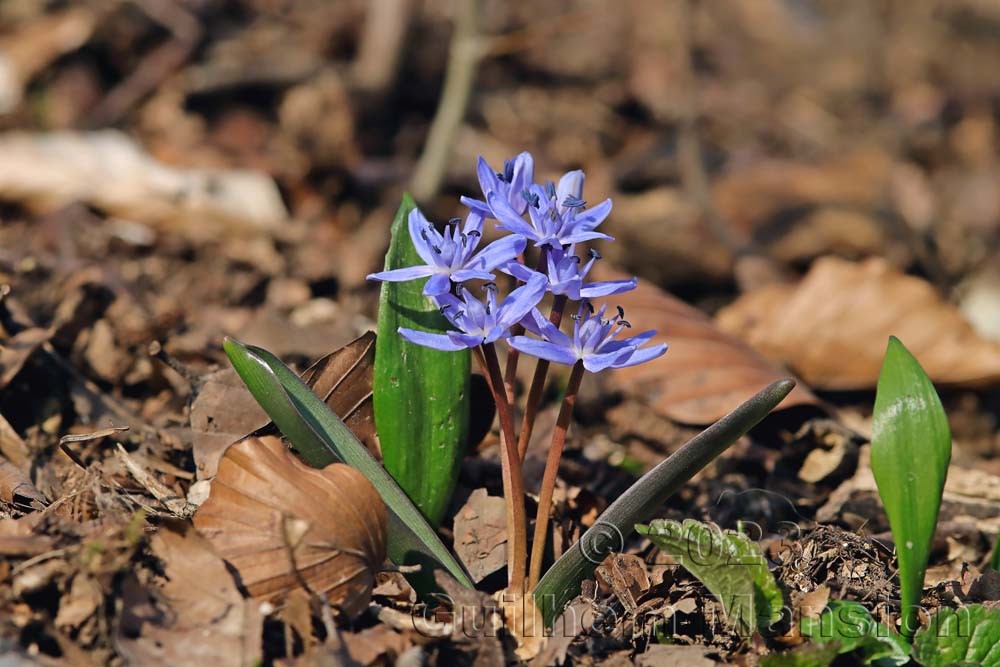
x,y
534,397
551,472
513,485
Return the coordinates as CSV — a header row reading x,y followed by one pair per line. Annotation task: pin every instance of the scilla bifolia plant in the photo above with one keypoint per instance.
x,y
440,294
553,218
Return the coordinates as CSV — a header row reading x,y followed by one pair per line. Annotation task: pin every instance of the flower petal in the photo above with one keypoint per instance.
x,y
420,227
595,363
464,339
463,275
524,174
508,219
642,356
634,341
437,284
477,206
431,340
402,275
520,302
571,184
542,349
594,216
518,270
578,235
497,253
607,288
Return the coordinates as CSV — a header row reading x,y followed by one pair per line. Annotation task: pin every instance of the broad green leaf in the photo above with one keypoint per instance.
x,y
319,436
966,636
911,447
421,396
730,565
561,583
851,627
808,655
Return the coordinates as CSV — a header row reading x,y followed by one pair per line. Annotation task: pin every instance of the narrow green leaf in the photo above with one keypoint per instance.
x,y
911,448
966,636
319,436
852,629
421,396
730,565
562,582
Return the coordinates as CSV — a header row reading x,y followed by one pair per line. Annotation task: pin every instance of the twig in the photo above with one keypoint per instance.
x,y
185,31
382,38
467,49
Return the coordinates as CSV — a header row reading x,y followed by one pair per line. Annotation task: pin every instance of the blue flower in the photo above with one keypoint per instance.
x,y
558,216
565,275
449,256
477,323
509,185
595,341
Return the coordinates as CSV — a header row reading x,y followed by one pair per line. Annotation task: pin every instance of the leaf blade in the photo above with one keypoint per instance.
x,y
421,396
562,581
321,438
910,452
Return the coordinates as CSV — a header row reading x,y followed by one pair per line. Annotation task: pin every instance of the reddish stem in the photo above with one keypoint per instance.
x,y
551,472
513,485
534,398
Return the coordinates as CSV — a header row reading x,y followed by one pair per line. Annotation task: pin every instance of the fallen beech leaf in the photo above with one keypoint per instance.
x,y
195,615
343,380
705,372
831,328
281,523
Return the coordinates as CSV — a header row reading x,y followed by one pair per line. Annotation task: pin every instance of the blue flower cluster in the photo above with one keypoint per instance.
x,y
555,218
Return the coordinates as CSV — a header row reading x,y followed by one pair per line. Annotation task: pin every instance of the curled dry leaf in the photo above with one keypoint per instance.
x,y
832,327
705,372
283,525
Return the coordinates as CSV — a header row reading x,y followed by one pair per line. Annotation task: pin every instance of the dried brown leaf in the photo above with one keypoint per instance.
x,y
481,534
705,372
17,489
343,380
282,524
832,327
194,616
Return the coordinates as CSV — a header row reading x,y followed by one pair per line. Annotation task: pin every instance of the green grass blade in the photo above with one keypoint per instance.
x,y
421,396
319,436
562,582
911,448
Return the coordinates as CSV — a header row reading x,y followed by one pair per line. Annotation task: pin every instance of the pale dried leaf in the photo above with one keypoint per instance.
x,y
281,523
705,372
481,534
108,170
832,327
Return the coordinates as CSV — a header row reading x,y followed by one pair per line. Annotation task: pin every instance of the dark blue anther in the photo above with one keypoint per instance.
x,y
572,201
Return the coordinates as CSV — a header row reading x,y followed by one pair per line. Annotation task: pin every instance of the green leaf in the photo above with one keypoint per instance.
x,y
911,447
850,626
730,565
808,655
966,636
421,396
562,581
319,436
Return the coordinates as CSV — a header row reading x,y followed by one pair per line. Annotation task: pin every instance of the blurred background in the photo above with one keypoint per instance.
x,y
177,170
